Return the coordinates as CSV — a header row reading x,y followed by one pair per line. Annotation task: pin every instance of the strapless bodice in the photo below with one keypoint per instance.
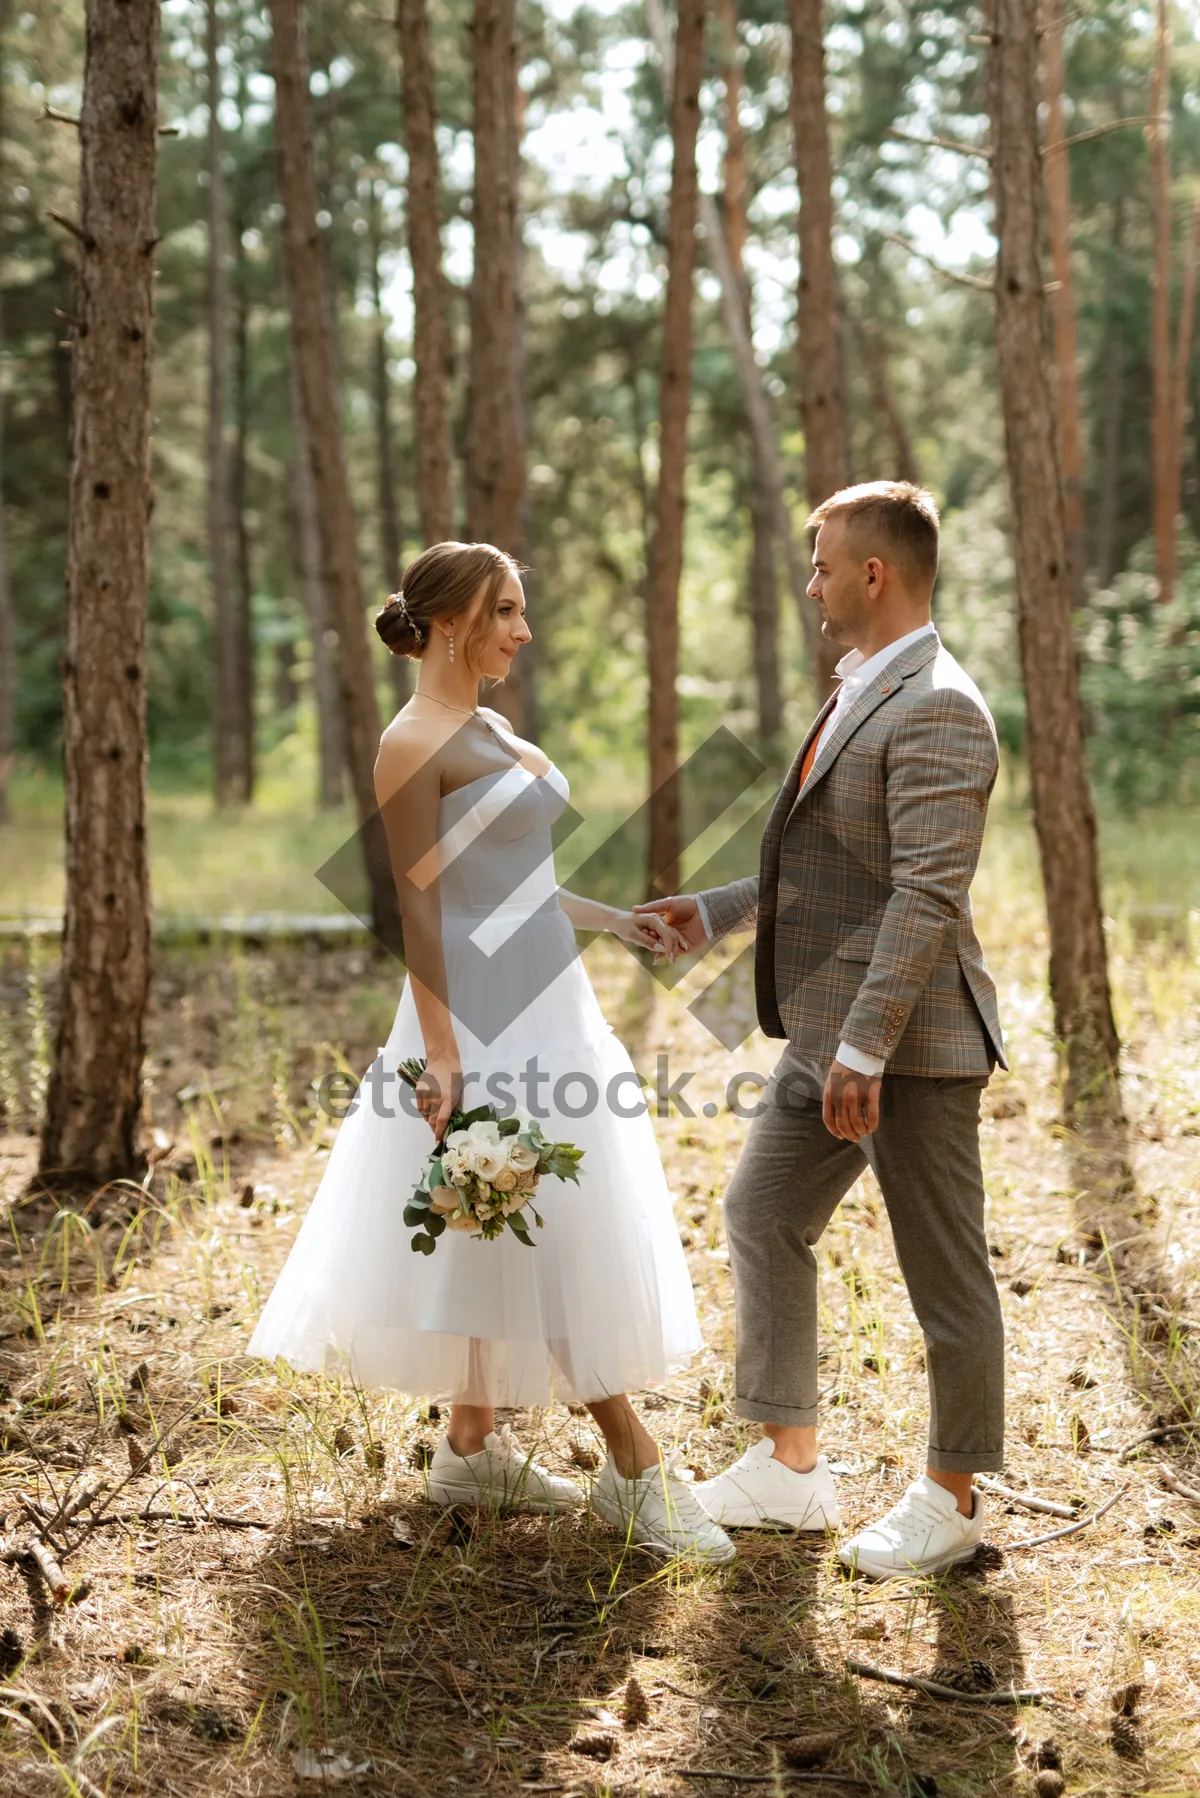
x,y
497,854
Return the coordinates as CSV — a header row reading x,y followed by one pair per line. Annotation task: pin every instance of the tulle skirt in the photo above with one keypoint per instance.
x,y
601,1304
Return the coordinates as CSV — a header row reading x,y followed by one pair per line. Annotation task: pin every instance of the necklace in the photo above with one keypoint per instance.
x,y
463,710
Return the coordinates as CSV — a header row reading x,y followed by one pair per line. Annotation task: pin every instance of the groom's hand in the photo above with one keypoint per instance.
x,y
682,914
850,1107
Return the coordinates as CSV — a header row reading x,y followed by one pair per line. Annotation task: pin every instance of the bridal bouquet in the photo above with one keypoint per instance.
x,y
483,1174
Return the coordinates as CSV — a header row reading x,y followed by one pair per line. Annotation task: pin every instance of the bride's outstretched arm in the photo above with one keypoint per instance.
x,y
645,932
408,789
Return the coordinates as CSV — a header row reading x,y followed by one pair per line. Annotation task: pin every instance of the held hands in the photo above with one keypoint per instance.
x,y
648,931
682,915
850,1107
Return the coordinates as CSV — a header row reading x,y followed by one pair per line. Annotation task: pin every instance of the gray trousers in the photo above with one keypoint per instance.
x,y
789,1182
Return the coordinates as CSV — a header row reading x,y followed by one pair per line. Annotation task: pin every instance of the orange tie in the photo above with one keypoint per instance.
x,y
810,754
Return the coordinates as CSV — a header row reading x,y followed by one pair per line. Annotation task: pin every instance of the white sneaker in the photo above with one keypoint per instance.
x,y
759,1489
925,1533
660,1513
500,1477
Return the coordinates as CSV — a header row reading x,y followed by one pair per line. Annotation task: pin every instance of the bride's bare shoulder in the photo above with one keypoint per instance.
x,y
407,745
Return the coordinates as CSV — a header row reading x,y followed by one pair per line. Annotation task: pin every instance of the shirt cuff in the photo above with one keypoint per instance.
x,y
703,911
860,1061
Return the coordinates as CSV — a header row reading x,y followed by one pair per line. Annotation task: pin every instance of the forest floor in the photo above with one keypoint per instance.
x,y
269,1604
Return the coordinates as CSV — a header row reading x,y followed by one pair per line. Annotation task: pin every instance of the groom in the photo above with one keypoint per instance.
x,y
867,962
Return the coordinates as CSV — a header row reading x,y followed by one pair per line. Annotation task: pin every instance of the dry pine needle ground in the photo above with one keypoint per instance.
x,y
321,1626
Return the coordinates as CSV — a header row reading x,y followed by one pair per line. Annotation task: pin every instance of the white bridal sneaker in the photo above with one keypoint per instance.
x,y
925,1533
759,1489
660,1513
500,1477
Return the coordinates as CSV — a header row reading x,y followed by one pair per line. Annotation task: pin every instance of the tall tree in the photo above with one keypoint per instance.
x,y
823,410
230,758
239,473
7,645
1166,479
762,580
674,405
94,1099
495,435
431,424
1058,195
312,343
327,698
385,460
1064,816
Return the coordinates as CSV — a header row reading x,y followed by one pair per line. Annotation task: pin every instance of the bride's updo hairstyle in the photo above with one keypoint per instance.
x,y
441,583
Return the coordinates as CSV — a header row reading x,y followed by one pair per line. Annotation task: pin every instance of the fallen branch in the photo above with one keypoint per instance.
x,y
785,1776
221,1519
1071,1529
1027,1499
1173,1483
865,1670
1174,1317
1158,1435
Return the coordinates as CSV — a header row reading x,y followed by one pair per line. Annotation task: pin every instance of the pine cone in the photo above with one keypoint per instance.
x,y
598,1747
811,1750
375,1455
1126,1739
421,1453
1049,1783
636,1708
976,1676
583,1454
344,1440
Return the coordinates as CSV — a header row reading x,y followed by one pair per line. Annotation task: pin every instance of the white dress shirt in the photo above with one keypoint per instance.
x,y
856,672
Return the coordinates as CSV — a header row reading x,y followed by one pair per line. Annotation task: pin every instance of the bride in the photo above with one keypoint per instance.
x,y
496,997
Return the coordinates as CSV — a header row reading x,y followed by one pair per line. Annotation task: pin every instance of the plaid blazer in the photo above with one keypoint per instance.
x,y
862,902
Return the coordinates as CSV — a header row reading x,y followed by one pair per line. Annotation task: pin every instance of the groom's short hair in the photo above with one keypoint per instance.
x,y
894,520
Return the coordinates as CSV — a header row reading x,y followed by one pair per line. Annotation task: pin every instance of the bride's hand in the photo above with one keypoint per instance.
x,y
439,1090
648,931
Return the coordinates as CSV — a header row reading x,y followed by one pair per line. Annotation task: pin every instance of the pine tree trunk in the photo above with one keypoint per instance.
x,y
8,673
431,423
1183,355
1063,311
385,461
495,446
762,578
93,1118
1064,816
228,762
312,341
1166,472
823,410
331,738
674,405
1114,407
243,585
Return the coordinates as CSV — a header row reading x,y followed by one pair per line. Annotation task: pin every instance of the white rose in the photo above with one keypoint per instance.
x,y
506,1179
488,1162
444,1198
484,1130
520,1157
455,1167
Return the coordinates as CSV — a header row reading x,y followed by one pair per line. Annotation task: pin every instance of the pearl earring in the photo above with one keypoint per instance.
x,y
451,645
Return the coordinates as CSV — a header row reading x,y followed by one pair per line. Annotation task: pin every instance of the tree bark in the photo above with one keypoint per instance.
x,y
1114,396
823,409
331,751
8,675
1183,357
313,349
229,771
764,506
674,404
1166,474
495,446
385,461
94,1100
243,585
1064,816
431,424
1063,310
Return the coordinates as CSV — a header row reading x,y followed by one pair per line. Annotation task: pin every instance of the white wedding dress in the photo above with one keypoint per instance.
x,y
603,1302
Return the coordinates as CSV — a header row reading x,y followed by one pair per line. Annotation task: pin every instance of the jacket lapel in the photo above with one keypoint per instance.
x,y
888,681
